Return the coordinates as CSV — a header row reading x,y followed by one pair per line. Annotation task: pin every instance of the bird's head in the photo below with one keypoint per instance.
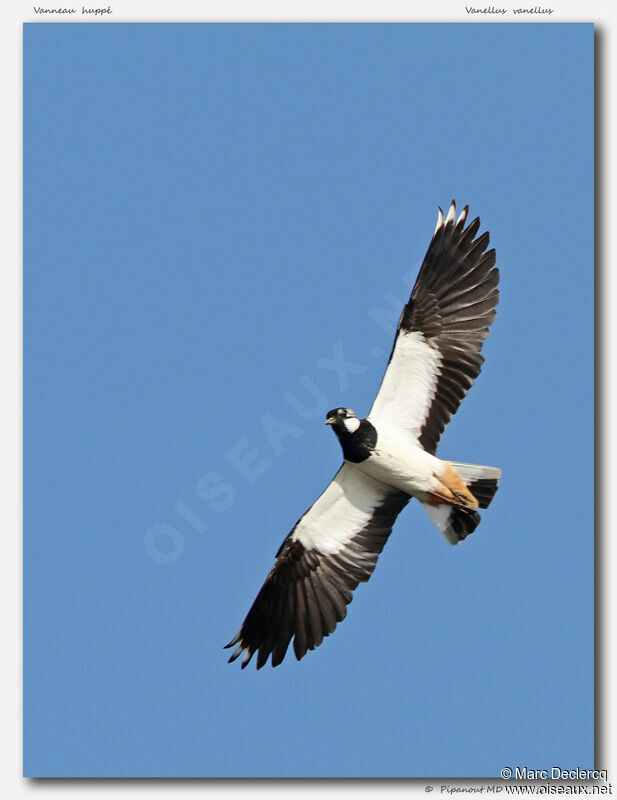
x,y
343,420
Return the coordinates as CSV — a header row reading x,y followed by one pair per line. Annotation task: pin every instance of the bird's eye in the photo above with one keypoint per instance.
x,y
342,411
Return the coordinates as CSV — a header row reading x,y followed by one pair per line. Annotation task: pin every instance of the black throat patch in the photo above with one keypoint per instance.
x,y
357,446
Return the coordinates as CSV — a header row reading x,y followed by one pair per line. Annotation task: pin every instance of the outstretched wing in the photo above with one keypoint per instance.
x,y
436,353
331,549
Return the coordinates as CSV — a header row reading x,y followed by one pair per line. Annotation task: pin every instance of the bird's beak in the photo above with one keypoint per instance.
x,y
330,420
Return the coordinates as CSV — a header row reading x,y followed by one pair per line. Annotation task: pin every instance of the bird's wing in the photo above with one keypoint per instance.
x,y
331,549
436,353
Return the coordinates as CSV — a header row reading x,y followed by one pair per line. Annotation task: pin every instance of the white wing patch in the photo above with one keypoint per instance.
x,y
409,385
341,511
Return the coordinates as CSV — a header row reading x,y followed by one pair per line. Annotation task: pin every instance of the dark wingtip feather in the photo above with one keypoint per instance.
x,y
481,242
489,259
234,641
462,219
237,652
248,655
262,657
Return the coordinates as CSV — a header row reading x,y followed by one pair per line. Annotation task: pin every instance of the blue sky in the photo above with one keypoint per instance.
x,y
214,215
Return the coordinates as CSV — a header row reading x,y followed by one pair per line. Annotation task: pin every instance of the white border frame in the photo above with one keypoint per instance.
x,y
13,14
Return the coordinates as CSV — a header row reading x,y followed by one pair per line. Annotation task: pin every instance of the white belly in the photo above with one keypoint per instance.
x,y
403,464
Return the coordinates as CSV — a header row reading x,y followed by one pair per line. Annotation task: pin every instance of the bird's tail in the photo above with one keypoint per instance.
x,y
455,522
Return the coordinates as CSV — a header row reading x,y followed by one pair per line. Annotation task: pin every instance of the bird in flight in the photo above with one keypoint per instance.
x,y
389,457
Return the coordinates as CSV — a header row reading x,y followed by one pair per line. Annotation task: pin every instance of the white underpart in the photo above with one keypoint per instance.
x,y
451,211
439,219
342,510
408,388
399,462
351,424
462,216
